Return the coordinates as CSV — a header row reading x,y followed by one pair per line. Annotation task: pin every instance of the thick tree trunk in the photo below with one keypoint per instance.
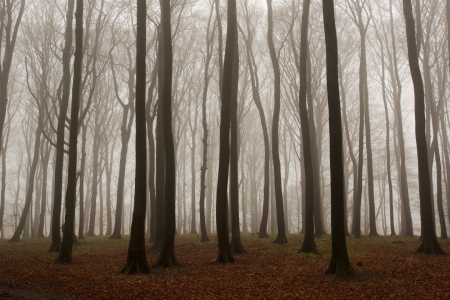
x,y
167,257
339,263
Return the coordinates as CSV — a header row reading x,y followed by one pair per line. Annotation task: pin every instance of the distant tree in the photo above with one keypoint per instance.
x,y
10,31
308,246
281,237
429,240
207,77
224,254
257,99
137,258
69,224
339,263
167,257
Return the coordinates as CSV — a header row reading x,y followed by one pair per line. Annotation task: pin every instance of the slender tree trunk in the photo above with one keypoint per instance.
x,y
59,160
339,263
224,250
137,259
308,246
44,159
82,170
281,237
30,188
69,224
429,242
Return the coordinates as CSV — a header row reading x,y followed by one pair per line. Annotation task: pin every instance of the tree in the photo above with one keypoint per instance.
x,y
429,240
69,224
281,236
308,246
224,254
207,77
167,257
339,263
59,160
6,11
137,259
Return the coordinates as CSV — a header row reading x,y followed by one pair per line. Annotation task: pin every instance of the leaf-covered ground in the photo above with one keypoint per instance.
x,y
387,267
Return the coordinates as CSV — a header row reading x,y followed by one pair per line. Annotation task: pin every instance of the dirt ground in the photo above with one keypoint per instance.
x,y
387,268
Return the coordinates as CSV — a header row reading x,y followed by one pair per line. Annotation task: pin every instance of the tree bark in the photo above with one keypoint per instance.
x,y
281,237
65,256
429,242
137,258
339,263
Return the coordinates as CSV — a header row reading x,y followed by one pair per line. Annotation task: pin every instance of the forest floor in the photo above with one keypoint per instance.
x,y
387,267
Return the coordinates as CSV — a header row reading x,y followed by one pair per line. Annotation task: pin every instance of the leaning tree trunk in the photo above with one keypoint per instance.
x,y
308,246
65,256
339,263
281,237
29,196
430,243
59,160
257,99
137,258
224,254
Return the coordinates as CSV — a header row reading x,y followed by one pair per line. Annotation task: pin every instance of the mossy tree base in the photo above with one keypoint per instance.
x,y
263,235
204,239
309,247
15,239
115,236
136,262
280,240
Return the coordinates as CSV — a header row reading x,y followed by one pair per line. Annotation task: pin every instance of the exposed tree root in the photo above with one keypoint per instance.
x,y
341,268
429,247
237,248
280,240
156,248
136,262
224,258
115,236
263,235
55,248
15,239
166,260
309,247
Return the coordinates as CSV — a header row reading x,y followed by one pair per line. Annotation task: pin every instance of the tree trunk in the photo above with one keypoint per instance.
x,y
137,259
308,246
167,257
59,160
429,242
30,188
224,250
339,263
281,237
45,156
